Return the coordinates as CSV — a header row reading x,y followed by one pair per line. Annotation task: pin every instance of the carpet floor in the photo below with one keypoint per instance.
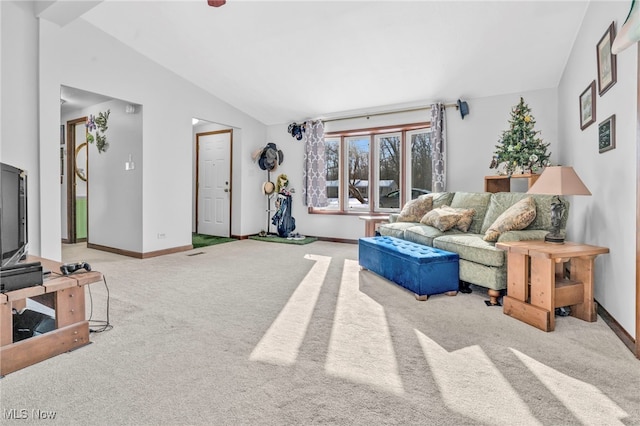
x,y
247,333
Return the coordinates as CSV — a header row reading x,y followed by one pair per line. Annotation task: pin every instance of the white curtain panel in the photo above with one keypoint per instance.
x,y
438,143
314,175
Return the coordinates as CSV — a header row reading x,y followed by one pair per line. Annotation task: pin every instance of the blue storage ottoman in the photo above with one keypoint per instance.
x,y
421,269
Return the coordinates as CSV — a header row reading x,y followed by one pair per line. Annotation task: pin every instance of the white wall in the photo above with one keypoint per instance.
x,y
470,143
114,209
79,55
608,218
19,107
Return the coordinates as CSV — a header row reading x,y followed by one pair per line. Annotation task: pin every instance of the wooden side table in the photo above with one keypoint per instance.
x,y
536,284
371,224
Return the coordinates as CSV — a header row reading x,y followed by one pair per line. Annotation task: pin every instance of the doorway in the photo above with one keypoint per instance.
x,y
213,182
77,181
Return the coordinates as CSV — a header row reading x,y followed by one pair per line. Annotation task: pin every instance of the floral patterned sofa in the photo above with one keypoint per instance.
x,y
470,224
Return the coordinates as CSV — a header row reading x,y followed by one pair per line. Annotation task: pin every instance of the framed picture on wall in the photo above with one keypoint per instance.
x,y
607,69
588,106
607,134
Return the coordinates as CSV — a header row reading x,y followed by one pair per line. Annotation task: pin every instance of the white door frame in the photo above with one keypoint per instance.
x,y
197,176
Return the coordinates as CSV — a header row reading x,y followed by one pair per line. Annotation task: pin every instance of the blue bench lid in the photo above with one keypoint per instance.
x,y
418,252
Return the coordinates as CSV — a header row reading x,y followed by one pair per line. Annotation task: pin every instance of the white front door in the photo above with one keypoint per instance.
x,y
214,183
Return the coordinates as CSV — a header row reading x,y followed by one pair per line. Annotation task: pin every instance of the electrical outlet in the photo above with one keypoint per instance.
x,y
161,236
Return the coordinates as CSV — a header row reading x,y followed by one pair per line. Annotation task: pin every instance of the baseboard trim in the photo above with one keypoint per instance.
x,y
622,334
139,255
338,240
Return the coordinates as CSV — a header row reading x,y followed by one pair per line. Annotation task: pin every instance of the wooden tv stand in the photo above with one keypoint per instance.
x,y
63,294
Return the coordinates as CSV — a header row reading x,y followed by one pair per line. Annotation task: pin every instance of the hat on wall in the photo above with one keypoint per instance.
x,y
268,188
269,157
296,130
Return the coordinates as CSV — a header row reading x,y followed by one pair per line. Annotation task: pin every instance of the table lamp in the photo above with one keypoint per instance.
x,y
558,180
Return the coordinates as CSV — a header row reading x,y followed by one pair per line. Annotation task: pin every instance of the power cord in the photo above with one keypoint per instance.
x,y
100,324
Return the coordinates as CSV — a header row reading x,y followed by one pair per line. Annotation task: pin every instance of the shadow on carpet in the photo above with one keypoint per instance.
x,y
200,240
277,239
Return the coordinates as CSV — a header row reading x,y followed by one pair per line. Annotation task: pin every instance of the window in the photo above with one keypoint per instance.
x,y
376,170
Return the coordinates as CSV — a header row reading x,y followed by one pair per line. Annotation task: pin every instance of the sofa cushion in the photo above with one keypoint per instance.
x,y
471,247
442,199
516,217
415,209
479,201
395,229
424,234
441,218
501,201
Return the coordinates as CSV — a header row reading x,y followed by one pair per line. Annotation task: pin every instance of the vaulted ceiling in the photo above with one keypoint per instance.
x,y
282,61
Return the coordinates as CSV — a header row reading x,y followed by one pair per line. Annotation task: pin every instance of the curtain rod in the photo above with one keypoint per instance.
x,y
373,114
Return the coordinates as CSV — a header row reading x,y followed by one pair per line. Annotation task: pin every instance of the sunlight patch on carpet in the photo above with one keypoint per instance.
x,y
585,401
281,343
360,347
468,375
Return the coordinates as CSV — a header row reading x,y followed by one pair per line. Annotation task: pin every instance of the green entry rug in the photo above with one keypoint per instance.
x,y
200,240
277,239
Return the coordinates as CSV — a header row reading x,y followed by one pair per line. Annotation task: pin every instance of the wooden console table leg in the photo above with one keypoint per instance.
x,y
518,276
543,287
70,307
6,324
582,270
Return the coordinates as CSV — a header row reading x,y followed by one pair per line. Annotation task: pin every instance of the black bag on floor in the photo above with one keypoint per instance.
x,y
285,223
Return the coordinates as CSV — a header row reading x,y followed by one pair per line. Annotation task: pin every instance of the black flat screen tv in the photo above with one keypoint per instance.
x,y
13,215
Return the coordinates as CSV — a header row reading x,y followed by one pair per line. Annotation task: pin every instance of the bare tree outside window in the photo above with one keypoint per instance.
x,y
389,166
358,165
421,166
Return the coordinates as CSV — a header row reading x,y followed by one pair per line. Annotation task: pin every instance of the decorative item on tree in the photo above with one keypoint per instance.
x,y
99,126
520,147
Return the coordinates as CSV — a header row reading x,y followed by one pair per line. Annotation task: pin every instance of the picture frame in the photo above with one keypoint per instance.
x,y
588,106
607,63
607,134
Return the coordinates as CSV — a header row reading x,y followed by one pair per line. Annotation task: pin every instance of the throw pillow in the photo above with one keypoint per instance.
x,y
415,209
516,217
467,217
441,218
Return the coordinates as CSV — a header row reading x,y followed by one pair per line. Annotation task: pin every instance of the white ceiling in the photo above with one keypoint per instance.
x,y
293,60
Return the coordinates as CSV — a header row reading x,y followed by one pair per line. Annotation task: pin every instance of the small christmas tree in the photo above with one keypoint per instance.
x,y
520,145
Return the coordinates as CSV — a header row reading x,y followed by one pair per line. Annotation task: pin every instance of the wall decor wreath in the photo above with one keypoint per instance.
x,y
99,126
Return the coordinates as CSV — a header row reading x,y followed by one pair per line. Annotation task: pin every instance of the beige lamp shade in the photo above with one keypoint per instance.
x,y
559,180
